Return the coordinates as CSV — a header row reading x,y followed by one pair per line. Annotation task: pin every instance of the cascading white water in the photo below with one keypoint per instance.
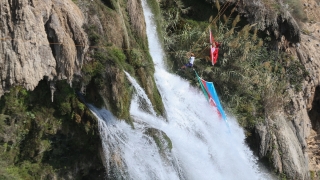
x,y
202,145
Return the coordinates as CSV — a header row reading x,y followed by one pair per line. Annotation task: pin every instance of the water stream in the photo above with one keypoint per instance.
x,y
202,146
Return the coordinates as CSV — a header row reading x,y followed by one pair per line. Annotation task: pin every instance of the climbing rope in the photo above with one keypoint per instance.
x,y
213,21
220,12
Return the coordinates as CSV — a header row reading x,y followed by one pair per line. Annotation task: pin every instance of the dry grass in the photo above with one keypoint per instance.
x,y
296,9
271,4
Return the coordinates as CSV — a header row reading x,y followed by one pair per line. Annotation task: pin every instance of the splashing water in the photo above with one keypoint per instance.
x,y
191,143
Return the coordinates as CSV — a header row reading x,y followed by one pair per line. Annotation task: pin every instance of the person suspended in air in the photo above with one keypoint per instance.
x,y
190,63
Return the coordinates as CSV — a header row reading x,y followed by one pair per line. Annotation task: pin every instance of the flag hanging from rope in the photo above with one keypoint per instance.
x,y
214,49
211,95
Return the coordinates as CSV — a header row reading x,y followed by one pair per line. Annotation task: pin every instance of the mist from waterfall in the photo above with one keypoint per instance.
x,y
203,146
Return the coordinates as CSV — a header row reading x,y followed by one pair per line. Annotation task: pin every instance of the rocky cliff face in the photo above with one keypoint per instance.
x,y
40,39
290,138
265,15
308,53
269,16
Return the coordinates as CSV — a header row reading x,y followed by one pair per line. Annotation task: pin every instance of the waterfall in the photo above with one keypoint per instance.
x,y
192,142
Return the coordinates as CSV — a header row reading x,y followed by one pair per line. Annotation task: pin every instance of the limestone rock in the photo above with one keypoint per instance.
x,y
40,38
282,142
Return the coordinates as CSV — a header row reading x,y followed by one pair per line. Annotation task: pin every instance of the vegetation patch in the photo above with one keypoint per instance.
x,y
38,137
251,78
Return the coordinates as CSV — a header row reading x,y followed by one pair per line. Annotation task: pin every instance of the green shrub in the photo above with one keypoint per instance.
x,y
65,108
27,170
136,58
117,55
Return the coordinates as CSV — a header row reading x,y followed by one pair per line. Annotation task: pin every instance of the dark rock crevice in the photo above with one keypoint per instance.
x,y
314,113
52,38
109,4
14,8
78,42
289,29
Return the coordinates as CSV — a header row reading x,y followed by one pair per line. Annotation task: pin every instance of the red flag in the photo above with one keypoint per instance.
x,y
214,50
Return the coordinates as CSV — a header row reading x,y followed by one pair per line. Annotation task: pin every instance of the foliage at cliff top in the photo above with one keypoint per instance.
x,y
251,75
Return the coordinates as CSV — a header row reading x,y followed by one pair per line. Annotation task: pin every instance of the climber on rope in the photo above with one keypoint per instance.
x,y
190,63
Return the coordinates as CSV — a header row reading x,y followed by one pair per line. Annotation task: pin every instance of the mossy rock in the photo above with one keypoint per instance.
x,y
161,139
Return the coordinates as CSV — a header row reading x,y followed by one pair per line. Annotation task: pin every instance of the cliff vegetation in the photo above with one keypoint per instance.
x,y
41,139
